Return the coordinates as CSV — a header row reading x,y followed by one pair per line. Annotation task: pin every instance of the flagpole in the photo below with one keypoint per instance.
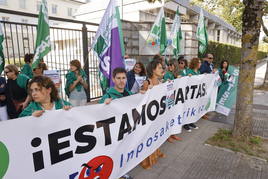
x,y
165,52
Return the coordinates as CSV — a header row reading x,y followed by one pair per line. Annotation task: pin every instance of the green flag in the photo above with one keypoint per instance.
x,y
176,34
42,45
2,59
158,34
202,35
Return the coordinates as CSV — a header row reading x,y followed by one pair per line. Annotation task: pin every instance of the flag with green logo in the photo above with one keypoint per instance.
x,y
202,35
2,58
43,44
227,91
176,34
158,34
108,45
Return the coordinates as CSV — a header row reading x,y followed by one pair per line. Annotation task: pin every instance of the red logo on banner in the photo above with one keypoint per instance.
x,y
101,167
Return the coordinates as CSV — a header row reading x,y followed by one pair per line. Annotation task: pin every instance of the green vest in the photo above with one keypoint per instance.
x,y
190,71
114,94
27,70
70,78
169,76
34,106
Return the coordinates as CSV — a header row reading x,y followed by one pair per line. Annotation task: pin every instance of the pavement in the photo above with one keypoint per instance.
x,y
260,72
191,158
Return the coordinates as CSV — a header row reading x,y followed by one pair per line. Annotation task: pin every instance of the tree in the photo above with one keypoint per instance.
x,y
230,11
251,24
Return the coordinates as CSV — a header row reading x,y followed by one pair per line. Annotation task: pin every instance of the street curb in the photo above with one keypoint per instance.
x,y
239,153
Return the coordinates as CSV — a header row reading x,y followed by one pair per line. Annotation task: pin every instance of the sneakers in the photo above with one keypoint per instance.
x,y
187,128
126,177
192,125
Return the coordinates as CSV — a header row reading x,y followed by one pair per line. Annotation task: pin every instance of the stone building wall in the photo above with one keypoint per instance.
x,y
135,34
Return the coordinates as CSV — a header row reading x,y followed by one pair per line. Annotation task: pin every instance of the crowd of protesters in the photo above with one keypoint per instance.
x,y
30,93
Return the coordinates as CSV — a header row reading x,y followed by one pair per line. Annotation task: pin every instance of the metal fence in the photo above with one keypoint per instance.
x,y
67,44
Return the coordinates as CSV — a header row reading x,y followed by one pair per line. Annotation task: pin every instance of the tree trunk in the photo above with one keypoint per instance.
x,y
251,25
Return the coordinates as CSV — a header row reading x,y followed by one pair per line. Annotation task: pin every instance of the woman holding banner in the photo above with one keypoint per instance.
x,y
195,65
45,97
223,71
154,73
182,66
76,84
172,70
135,77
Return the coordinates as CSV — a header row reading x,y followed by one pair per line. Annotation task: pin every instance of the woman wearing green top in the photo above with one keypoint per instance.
x,y
27,68
195,65
45,97
182,66
76,84
172,72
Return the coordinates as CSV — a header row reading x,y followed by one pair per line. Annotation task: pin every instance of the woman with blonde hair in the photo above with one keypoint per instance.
x,y
16,91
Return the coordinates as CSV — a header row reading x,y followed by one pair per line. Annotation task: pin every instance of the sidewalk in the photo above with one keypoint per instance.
x,y
192,159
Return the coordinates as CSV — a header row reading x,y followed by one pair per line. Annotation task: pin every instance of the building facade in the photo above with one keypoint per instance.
x,y
56,8
140,15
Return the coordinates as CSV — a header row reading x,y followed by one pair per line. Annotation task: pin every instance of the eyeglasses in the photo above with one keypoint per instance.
x,y
6,72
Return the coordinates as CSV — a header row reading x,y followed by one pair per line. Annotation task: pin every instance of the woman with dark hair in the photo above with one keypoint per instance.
x,y
16,91
45,97
39,70
183,66
223,70
172,70
154,73
27,68
76,84
134,77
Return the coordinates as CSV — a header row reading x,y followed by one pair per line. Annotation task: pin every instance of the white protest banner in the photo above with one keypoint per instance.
x,y
102,140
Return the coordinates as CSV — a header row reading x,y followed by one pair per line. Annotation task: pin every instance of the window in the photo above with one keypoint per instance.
x,y
5,18
38,5
54,9
22,4
70,12
218,35
3,2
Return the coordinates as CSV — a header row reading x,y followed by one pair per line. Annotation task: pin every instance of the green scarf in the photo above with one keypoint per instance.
x,y
22,81
70,78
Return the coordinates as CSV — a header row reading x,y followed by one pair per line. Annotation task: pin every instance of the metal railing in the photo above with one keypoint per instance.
x,y
67,44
